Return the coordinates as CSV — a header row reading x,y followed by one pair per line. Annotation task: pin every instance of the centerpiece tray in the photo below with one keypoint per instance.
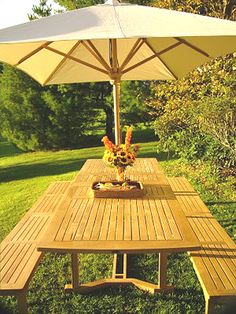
x,y
117,189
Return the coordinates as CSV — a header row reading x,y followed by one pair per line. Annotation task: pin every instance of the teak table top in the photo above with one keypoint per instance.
x,y
153,223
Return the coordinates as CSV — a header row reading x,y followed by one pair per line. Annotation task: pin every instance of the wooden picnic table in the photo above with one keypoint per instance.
x,y
154,223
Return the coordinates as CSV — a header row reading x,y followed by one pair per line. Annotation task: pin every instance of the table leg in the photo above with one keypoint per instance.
x,y
118,277
114,270
162,270
125,265
75,271
22,304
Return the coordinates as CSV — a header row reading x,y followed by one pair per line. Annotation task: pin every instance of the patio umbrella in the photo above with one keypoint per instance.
x,y
114,42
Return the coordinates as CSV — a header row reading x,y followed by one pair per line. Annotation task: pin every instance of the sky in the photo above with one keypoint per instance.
x,y
14,12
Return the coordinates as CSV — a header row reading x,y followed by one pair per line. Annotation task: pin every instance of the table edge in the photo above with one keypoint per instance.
x,y
123,246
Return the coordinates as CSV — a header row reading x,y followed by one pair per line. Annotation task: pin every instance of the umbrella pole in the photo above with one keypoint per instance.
x,y
116,98
115,81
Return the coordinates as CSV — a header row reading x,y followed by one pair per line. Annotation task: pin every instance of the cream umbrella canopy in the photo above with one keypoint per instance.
x,y
113,42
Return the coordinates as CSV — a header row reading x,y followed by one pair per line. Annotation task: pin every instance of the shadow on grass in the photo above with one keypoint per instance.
x,y
8,149
220,203
4,309
227,222
27,171
57,167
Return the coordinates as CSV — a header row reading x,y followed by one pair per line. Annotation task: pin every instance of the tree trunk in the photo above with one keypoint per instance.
x,y
109,121
229,8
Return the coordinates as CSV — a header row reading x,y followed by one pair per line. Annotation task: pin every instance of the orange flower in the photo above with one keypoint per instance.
x,y
128,137
108,144
122,155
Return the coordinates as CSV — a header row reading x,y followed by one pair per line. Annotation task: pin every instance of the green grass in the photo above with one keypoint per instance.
x,y
24,176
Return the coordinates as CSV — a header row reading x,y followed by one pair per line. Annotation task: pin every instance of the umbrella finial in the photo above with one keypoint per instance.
x,y
112,2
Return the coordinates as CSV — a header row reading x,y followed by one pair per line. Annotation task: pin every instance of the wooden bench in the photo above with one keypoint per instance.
x,y
19,257
215,263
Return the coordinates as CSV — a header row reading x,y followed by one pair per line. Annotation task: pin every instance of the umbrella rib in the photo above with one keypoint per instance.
x,y
158,55
185,42
138,64
137,45
155,55
93,50
77,60
62,62
33,53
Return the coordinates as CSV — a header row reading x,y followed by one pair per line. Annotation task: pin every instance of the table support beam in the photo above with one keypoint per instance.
x,y
75,271
123,261
162,270
22,303
120,277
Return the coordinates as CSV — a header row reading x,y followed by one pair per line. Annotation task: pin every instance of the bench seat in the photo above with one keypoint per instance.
x,y
19,257
215,263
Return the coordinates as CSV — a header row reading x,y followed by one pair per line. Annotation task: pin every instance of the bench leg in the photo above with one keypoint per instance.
x,y
22,303
209,308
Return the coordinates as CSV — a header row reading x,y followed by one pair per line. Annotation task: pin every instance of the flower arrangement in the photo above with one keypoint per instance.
x,y
120,156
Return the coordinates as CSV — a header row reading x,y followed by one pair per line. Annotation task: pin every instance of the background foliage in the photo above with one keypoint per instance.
x,y
193,117
63,116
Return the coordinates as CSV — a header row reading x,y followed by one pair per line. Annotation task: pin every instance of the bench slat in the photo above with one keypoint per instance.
x,y
22,263
20,250
215,263
19,256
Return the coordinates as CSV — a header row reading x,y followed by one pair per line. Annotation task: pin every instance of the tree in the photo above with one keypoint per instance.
x,y
68,111
195,115
133,107
35,117
76,4
71,113
229,9
23,115
40,10
215,8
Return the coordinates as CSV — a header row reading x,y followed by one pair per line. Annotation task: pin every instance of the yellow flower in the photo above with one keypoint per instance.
x,y
120,155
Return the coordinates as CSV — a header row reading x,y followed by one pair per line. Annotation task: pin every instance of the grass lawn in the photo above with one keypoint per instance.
x,y
24,176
